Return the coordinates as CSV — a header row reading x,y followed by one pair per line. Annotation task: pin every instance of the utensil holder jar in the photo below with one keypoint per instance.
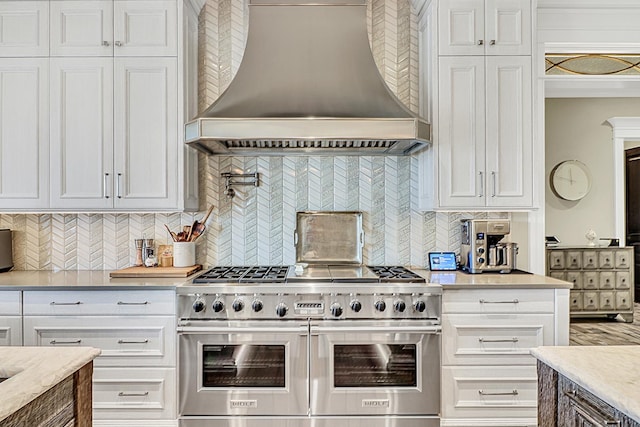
x,y
184,254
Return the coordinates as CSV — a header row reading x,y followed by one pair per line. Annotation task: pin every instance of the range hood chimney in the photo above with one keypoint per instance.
x,y
307,84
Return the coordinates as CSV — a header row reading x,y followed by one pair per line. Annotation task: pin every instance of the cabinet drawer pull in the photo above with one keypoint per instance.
x,y
484,301
591,414
514,339
133,303
54,342
66,303
480,42
492,42
133,341
505,393
123,394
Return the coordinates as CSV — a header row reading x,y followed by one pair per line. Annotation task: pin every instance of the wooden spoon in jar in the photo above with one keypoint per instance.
x,y
198,227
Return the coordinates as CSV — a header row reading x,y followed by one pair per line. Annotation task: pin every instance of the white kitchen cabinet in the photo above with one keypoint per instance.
x,y
114,28
10,318
488,375
485,136
114,137
24,133
135,375
24,28
485,27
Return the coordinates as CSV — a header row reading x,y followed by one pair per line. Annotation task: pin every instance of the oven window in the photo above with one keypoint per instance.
x,y
375,365
243,366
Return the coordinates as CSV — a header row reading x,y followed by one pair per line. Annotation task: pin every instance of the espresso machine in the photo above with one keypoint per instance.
x,y
482,248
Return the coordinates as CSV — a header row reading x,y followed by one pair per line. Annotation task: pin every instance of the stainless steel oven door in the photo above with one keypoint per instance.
x,y
375,368
243,368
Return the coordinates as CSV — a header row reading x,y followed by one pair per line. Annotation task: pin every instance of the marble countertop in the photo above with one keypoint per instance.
x,y
91,279
34,370
609,372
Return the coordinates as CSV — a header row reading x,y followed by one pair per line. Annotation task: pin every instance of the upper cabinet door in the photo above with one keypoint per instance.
x,y
81,133
461,24
509,154
146,133
81,28
24,133
145,28
485,27
508,27
461,141
24,28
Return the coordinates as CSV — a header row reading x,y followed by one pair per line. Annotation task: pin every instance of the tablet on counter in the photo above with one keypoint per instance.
x,y
442,261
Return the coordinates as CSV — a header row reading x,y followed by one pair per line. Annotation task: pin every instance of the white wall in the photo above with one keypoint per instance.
x,y
575,130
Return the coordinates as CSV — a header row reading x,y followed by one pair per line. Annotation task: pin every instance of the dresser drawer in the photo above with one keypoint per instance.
x,y
495,339
143,393
575,300
498,301
92,303
10,303
489,392
556,260
623,280
607,280
605,259
126,341
623,258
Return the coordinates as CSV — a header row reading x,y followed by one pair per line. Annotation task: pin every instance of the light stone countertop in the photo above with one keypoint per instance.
x,y
92,279
34,370
609,372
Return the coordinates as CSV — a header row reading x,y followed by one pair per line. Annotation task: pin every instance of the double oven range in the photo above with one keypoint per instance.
x,y
327,345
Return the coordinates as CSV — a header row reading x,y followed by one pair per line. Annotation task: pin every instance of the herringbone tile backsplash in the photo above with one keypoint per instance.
x,y
256,227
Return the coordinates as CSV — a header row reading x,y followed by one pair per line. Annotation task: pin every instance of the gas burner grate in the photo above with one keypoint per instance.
x,y
395,273
244,274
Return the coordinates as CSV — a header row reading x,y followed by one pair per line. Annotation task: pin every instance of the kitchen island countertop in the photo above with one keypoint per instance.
x,y
93,279
609,372
31,371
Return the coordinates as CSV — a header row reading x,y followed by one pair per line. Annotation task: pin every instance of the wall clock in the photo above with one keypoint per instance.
x,y
570,180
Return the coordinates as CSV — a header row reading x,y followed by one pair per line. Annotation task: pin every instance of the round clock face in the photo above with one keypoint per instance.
x,y
570,180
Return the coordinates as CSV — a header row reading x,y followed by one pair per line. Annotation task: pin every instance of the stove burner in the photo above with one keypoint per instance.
x,y
243,274
395,272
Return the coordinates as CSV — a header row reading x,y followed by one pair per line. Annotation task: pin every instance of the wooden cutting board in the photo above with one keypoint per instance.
x,y
155,271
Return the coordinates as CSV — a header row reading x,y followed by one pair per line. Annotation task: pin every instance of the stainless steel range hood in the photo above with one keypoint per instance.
x,y
307,84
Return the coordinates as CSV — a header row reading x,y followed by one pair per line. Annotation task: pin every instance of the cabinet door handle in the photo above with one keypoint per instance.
x,y
484,301
492,42
480,42
584,408
481,184
122,393
106,186
105,43
65,303
505,393
54,342
145,341
119,181
132,303
493,180
514,339
117,43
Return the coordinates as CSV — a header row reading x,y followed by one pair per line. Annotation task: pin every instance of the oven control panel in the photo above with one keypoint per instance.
x,y
417,305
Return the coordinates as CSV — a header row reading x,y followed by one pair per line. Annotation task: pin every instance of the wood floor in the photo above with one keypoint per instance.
x,y
605,332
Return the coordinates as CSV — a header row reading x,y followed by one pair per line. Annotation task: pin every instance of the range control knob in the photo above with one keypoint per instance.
x,y
237,305
480,260
281,309
257,305
356,305
218,306
198,305
336,310
420,306
380,305
399,306
480,251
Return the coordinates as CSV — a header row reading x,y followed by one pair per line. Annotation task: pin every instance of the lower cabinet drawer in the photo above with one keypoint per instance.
x,y
130,341
10,330
494,339
489,392
129,393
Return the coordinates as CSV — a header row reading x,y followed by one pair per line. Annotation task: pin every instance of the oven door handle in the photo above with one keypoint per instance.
x,y
338,329
241,330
